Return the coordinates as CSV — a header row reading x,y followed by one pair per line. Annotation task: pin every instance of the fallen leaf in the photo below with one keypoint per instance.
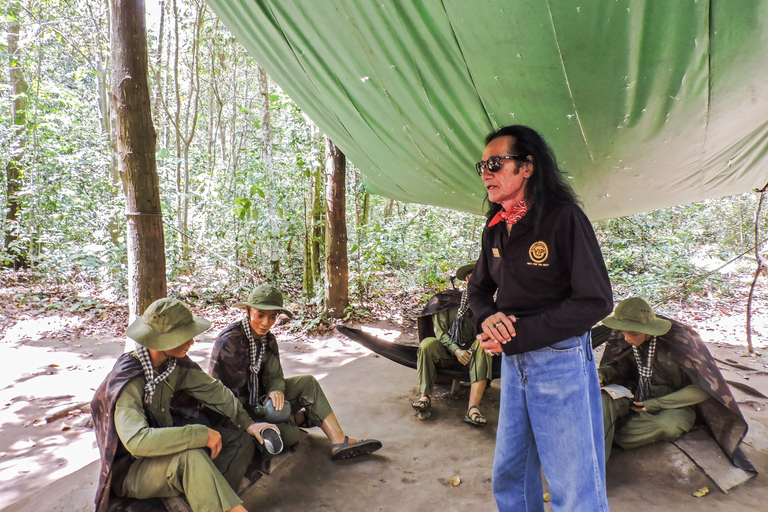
x,y
547,497
701,492
455,481
53,365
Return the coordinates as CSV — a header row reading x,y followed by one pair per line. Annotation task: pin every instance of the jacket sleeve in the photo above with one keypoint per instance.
x,y
140,439
481,288
616,371
591,297
441,322
689,395
272,373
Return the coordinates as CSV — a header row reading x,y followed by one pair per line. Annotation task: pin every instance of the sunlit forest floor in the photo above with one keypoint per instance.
x,y
58,341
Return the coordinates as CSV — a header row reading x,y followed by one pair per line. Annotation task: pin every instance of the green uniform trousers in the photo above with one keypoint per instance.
x,y
302,391
630,429
433,354
207,484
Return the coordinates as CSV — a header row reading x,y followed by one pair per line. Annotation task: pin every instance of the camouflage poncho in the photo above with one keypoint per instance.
x,y
229,359
111,448
720,412
439,302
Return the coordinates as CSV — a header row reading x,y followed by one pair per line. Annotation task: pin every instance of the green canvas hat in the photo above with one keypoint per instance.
x,y
635,315
461,272
165,325
266,298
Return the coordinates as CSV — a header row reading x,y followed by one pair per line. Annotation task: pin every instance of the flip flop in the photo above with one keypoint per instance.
x,y
422,404
474,417
345,450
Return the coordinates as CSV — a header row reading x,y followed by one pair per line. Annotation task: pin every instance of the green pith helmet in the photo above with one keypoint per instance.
x,y
635,315
266,298
461,272
165,325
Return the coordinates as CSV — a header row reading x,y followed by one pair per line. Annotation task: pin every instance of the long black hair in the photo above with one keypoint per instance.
x,y
547,184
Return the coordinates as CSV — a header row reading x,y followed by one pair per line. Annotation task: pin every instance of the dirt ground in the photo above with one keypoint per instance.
x,y
48,455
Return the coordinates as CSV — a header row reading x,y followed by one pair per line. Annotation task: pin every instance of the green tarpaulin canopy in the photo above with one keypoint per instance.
x,y
647,104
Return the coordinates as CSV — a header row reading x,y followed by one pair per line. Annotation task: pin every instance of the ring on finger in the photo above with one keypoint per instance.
x,y
498,324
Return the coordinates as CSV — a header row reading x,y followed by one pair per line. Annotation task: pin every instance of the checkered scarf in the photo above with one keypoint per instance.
x,y
256,355
149,371
455,330
643,390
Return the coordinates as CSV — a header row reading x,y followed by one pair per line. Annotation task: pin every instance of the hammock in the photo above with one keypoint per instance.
x,y
406,355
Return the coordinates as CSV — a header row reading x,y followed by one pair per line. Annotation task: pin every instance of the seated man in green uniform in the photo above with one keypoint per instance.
x,y
245,358
448,340
144,453
669,370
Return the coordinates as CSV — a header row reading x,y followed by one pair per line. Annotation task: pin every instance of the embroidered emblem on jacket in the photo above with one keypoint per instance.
x,y
538,252
496,253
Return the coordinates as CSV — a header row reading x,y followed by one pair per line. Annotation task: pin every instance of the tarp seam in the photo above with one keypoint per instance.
x,y
710,52
567,82
466,64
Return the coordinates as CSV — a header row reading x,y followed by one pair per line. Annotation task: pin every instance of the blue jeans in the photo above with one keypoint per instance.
x,y
550,417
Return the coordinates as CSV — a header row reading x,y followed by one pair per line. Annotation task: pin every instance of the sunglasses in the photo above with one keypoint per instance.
x,y
493,164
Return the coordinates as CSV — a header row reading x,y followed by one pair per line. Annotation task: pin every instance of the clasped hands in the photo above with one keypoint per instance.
x,y
497,330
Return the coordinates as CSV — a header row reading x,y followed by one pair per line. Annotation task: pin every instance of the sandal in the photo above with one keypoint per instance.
x,y
345,450
474,417
422,404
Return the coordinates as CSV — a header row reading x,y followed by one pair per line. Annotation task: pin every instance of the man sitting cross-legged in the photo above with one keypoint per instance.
x,y
674,379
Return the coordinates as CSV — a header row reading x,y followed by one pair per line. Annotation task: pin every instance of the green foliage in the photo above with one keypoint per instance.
x,y
72,219
677,252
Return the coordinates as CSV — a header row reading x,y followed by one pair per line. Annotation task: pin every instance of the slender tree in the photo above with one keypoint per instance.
x,y
14,169
336,266
136,142
267,161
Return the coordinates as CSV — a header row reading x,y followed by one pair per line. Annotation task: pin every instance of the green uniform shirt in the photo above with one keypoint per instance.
x,y
670,388
141,440
442,321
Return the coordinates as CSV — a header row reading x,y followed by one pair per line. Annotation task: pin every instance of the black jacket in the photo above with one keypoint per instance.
x,y
553,280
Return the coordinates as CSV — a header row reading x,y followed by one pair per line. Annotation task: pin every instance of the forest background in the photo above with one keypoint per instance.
x,y
242,183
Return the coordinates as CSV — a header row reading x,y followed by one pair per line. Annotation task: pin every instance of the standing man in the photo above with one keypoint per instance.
x,y
143,453
448,340
246,359
540,284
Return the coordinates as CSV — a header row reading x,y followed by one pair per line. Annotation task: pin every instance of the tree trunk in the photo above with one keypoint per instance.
x,y
107,118
315,221
136,141
14,169
389,206
268,162
318,213
336,267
